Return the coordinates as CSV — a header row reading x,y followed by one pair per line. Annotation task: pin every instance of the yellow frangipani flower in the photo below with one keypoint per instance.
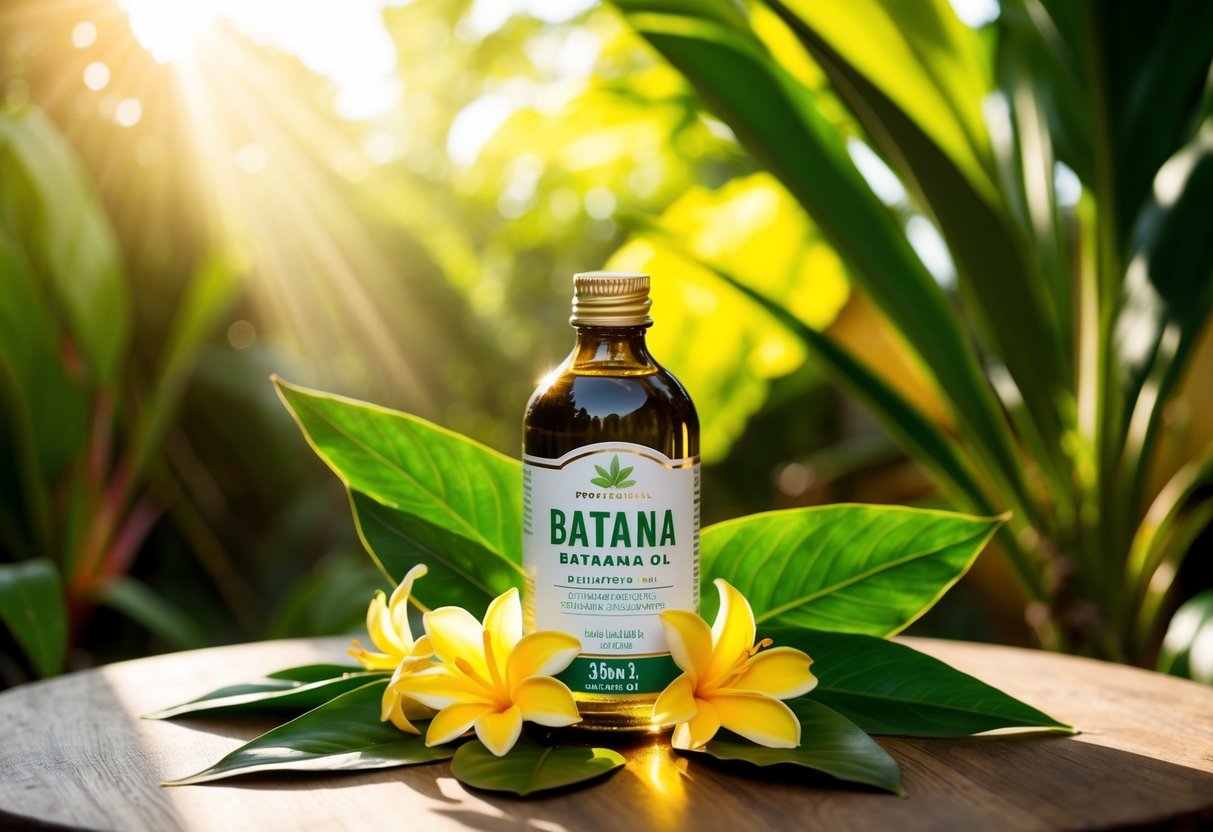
x,y
492,677
387,621
726,682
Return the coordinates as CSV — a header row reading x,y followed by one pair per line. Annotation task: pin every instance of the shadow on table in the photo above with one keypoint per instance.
x,y
999,782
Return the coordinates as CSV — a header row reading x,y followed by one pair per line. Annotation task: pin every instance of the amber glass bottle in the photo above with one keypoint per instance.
x,y
611,504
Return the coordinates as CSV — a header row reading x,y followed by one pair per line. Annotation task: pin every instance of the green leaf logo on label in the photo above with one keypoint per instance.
x,y
615,477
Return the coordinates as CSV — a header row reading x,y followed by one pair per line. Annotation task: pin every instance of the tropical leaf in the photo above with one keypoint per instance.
x,y
1151,64
296,689
830,744
437,491
775,117
31,606
889,688
846,568
43,412
927,64
601,482
530,767
461,571
50,207
344,734
1169,297
926,442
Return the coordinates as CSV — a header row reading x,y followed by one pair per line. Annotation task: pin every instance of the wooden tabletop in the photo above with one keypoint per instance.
x,y
73,751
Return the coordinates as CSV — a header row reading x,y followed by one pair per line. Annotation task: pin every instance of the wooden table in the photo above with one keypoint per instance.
x,y
73,751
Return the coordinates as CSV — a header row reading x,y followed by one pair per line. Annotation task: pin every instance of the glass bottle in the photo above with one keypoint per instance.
x,y
611,504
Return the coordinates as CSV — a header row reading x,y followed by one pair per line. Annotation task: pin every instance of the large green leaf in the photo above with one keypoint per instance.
x,y
829,743
344,734
31,606
530,767
49,206
846,568
448,499
461,571
888,688
775,117
296,688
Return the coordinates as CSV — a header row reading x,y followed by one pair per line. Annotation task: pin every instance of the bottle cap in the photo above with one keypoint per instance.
x,y
611,299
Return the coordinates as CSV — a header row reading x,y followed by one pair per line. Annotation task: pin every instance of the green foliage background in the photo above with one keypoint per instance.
x,y
150,478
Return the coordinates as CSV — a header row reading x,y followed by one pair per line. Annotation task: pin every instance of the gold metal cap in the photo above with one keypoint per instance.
x,y
611,299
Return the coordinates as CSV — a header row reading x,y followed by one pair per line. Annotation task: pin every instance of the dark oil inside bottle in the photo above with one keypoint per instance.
x,y
610,389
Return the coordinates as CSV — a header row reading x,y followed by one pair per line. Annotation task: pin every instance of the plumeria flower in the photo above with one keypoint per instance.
x,y
492,677
726,682
387,621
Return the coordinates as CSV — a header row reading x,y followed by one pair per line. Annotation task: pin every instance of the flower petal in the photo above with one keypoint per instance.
x,y
399,605
781,672
441,687
546,701
758,718
732,632
379,625
696,732
369,660
503,620
676,703
402,592
455,634
499,731
542,653
689,639
422,648
372,611
453,722
391,708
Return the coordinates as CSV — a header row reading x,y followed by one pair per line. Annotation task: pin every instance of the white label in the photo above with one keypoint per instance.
x,y
610,541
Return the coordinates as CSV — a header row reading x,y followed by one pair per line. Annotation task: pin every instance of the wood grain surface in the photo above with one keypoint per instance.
x,y
74,752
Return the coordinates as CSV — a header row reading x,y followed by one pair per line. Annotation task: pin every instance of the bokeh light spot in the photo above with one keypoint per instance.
x,y
241,334
599,203
96,75
84,34
128,112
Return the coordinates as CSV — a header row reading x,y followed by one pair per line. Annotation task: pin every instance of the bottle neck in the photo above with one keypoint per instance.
x,y
613,348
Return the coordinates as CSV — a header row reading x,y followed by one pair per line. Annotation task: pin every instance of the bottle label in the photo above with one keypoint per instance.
x,y
610,541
